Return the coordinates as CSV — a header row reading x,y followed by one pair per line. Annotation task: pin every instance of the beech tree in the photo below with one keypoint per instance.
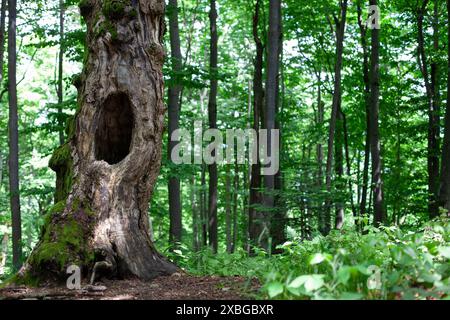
x,y
444,189
212,115
375,144
174,120
339,22
14,137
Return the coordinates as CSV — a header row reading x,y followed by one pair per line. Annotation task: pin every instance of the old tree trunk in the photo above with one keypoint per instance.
x,y
107,169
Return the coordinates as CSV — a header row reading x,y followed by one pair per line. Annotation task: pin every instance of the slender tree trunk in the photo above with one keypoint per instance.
x,y
272,89
325,219
2,37
14,138
444,190
348,162
174,122
434,119
379,213
339,169
278,221
204,208
4,253
320,120
212,114
228,208
433,112
320,154
195,216
60,88
235,207
256,217
366,79
113,153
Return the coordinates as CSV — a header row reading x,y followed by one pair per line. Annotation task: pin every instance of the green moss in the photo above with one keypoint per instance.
x,y
26,279
58,208
60,157
64,241
114,9
108,27
85,7
62,163
70,127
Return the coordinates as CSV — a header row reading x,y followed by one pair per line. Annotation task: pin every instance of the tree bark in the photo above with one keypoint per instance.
x,y
325,218
272,89
14,138
195,216
434,120
228,203
2,38
212,114
204,208
113,152
433,112
255,217
60,87
366,79
339,169
348,163
175,89
278,221
4,253
378,205
235,208
444,189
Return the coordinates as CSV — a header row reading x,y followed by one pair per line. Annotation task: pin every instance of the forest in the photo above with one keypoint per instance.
x,y
333,117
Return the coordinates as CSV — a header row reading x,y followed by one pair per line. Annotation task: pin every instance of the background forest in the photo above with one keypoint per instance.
x,y
359,208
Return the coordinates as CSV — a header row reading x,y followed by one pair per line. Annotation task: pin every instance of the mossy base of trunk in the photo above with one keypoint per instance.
x,y
64,242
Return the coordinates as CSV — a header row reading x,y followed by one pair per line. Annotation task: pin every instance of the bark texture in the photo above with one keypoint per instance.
x,y
212,115
444,189
366,79
272,94
431,87
2,36
109,165
256,217
325,218
175,89
378,203
60,85
14,137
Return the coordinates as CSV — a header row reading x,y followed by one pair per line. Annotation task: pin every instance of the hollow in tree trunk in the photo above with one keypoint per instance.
x,y
107,170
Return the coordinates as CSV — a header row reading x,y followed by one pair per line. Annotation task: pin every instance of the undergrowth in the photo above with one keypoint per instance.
x,y
382,263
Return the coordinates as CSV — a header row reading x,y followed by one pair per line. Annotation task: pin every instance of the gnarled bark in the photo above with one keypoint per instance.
x,y
112,159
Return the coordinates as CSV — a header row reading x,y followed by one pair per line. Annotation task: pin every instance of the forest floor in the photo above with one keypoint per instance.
x,y
177,287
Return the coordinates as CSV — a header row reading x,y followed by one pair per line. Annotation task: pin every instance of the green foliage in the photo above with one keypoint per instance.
x,y
385,263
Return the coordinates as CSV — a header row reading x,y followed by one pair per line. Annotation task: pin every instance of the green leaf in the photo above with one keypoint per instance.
x,y
309,282
317,259
351,296
275,289
445,252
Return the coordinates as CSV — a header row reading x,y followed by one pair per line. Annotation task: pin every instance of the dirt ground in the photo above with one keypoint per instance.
x,y
176,287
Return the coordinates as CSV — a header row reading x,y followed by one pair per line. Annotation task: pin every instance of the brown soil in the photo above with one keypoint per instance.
x,y
177,287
